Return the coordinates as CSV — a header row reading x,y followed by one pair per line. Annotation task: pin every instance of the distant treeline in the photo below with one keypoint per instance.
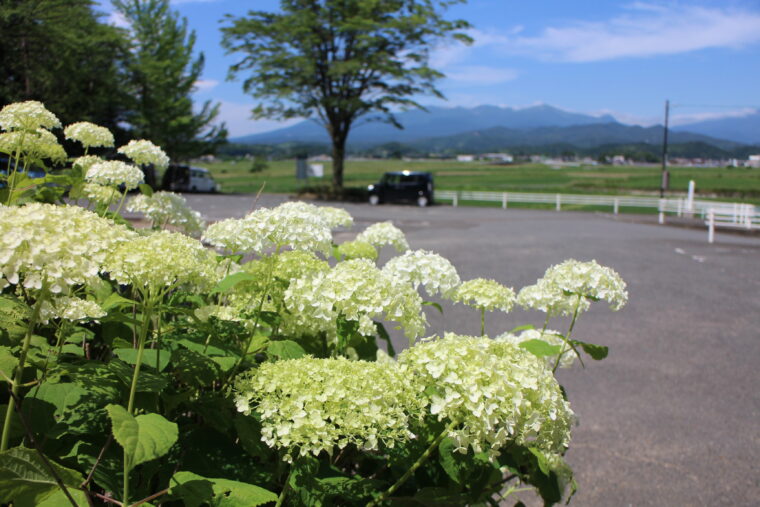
x,y
639,152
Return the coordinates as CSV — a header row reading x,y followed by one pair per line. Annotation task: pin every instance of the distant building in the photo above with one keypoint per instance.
x,y
753,161
504,158
465,158
619,160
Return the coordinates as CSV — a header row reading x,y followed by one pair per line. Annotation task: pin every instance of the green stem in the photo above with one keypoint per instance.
x,y
567,338
424,457
11,175
286,487
18,379
482,321
147,310
121,203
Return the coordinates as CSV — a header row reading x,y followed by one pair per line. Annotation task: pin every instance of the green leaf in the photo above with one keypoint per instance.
x,y
196,490
143,438
435,305
285,349
195,369
597,352
540,348
231,280
8,363
147,382
116,301
522,328
455,468
249,436
151,357
13,314
27,481
146,189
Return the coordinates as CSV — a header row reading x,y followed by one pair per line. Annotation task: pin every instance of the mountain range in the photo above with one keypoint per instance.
x,y
490,128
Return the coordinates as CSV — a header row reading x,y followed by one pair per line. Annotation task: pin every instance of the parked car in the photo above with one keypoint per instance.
x,y
403,186
183,178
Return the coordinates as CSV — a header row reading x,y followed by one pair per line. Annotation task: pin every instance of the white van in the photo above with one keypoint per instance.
x,y
182,178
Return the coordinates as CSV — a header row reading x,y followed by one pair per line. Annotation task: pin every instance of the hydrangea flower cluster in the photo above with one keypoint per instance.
x,y
36,144
357,250
485,294
574,284
567,356
29,115
419,267
115,173
89,134
168,208
100,194
311,405
144,152
62,245
494,391
87,161
384,233
163,260
300,226
70,308
356,290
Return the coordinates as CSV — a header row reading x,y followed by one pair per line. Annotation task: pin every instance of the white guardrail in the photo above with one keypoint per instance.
x,y
725,214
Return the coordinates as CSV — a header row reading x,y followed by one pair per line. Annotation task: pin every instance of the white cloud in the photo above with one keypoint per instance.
x,y
117,19
481,75
644,30
685,119
239,123
204,85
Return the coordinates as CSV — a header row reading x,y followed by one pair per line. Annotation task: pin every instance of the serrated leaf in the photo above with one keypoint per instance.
x,y
143,438
540,348
194,369
285,349
8,363
26,480
146,189
597,352
455,468
249,436
114,300
147,382
231,280
151,357
196,490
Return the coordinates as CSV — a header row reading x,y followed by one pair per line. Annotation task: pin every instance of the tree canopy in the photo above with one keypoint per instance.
x,y
336,61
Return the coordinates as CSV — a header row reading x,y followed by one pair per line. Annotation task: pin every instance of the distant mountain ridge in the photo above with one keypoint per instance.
x,y
435,122
742,129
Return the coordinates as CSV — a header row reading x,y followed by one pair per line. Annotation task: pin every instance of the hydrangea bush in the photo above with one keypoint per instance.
x,y
253,366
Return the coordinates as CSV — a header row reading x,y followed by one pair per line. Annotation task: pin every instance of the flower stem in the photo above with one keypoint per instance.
x,y
567,338
18,379
424,457
483,321
286,487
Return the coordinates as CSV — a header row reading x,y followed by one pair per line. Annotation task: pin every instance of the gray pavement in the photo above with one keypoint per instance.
x,y
672,417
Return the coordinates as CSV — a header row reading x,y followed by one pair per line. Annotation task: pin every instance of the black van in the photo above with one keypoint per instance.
x,y
407,186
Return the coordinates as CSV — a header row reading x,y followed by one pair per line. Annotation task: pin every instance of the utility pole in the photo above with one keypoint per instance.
x,y
664,183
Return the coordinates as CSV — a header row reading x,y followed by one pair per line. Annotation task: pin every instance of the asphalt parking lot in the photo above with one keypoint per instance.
x,y
672,417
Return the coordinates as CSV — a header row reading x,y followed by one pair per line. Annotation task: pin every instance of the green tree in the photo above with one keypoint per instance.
x,y
57,52
336,61
162,75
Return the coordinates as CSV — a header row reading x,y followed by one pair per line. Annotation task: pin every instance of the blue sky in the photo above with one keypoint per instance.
x,y
595,57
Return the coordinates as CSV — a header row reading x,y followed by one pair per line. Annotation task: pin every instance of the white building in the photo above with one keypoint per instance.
x,y
753,161
465,158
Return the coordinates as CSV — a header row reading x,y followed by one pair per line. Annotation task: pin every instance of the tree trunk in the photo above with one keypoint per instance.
x,y
338,155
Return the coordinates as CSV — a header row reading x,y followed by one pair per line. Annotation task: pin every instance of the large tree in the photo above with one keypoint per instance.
x,y
336,61
57,52
162,76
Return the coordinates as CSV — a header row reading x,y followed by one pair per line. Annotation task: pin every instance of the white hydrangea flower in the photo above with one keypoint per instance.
x,y
87,161
70,308
384,233
64,245
89,134
311,405
355,290
549,336
144,152
573,283
29,115
37,144
115,173
485,294
168,208
494,391
333,217
357,250
100,194
229,313
161,261
419,267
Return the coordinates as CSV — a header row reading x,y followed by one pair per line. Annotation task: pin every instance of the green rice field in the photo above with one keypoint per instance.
x,y
736,184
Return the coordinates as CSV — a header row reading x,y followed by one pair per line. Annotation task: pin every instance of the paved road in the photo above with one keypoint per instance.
x,y
672,417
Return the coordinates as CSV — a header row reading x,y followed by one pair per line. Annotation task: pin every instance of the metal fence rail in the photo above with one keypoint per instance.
x,y
679,206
